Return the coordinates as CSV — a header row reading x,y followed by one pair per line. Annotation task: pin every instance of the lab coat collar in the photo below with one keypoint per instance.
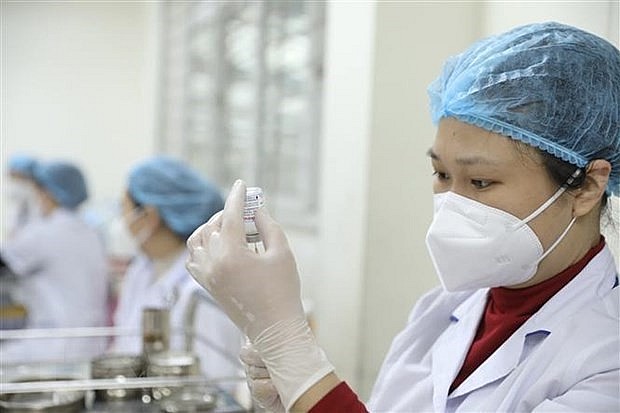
x,y
595,280
451,348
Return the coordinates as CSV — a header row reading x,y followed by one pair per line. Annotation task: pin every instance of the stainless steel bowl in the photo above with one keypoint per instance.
x,y
171,364
117,366
59,401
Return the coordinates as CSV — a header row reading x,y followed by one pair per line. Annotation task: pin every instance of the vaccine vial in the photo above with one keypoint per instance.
x,y
253,200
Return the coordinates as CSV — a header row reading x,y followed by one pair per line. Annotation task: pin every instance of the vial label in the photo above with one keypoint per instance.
x,y
253,200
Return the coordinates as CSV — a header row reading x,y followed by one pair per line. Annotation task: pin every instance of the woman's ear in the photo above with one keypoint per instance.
x,y
589,195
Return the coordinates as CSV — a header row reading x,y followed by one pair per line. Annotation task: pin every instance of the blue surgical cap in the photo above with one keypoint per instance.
x,y
182,197
64,182
22,164
549,85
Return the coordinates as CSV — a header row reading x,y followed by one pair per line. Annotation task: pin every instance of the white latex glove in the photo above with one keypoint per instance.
x,y
261,386
260,294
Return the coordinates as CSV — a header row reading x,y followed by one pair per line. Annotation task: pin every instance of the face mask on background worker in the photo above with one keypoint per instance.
x,y
22,201
121,241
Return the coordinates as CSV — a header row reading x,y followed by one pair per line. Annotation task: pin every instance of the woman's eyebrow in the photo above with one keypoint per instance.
x,y
475,160
465,160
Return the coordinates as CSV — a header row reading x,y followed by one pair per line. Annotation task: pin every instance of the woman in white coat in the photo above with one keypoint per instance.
x,y
60,267
526,154
164,202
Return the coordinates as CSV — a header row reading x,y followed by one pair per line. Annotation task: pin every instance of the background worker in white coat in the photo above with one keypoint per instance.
x,y
164,203
60,267
526,153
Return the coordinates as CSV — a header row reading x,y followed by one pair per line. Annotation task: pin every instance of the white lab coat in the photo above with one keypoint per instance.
x,y
62,281
566,357
173,291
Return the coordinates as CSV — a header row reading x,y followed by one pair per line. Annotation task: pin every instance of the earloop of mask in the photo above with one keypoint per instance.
x,y
551,200
557,241
568,182
145,233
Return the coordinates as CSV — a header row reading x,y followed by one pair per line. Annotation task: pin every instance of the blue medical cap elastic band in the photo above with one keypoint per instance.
x,y
524,136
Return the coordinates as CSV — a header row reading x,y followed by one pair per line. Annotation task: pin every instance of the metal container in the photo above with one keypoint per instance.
x,y
155,330
58,401
117,366
171,364
190,400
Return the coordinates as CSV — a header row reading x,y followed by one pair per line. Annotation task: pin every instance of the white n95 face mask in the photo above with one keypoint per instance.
x,y
120,242
23,203
473,245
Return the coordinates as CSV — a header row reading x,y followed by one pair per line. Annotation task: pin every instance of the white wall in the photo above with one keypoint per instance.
x,y
78,83
599,17
344,181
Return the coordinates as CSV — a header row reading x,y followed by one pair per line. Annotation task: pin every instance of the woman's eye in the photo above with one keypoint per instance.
x,y
480,183
442,176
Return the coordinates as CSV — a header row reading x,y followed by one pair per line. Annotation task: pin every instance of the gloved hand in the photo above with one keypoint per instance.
x,y
260,294
261,386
